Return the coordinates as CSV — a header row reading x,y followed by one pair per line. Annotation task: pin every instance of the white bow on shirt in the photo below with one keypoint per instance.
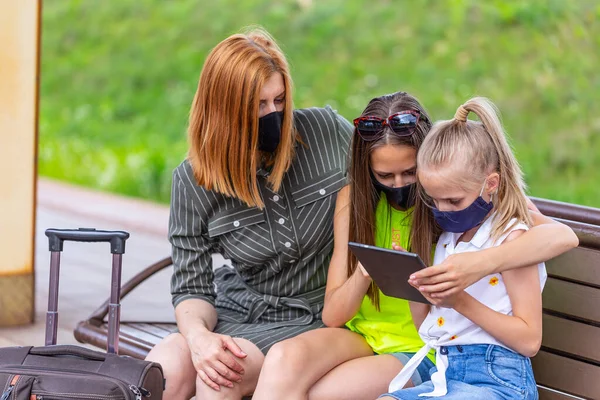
x,y
438,378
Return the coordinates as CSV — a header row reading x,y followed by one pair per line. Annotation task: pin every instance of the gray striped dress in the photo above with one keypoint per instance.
x,y
279,255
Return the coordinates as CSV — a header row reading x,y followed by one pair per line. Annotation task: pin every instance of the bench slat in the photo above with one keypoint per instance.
x,y
87,332
168,327
565,374
127,330
152,329
572,299
133,339
571,337
568,211
550,394
579,264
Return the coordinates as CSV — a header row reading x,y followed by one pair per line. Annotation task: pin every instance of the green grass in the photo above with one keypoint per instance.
x,y
118,77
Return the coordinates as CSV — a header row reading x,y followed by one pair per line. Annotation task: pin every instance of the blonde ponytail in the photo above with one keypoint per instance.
x,y
483,149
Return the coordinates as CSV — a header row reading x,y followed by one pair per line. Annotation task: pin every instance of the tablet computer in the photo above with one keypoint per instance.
x,y
390,269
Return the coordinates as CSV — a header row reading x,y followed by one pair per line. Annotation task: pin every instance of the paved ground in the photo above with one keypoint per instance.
x,y
85,268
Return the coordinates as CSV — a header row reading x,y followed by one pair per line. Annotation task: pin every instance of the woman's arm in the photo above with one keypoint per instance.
x,y
521,331
193,292
194,316
547,239
343,294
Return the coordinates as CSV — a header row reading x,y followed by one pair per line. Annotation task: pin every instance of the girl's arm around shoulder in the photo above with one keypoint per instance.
x,y
545,240
343,294
521,331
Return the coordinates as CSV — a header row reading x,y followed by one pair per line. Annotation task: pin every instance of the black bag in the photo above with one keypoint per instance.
x,y
65,372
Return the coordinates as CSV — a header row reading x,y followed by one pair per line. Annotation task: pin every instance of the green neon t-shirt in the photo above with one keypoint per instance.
x,y
391,329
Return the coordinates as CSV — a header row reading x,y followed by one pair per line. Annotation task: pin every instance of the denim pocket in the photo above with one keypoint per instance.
x,y
509,372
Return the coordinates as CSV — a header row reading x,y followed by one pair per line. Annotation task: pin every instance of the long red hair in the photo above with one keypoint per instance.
x,y
223,124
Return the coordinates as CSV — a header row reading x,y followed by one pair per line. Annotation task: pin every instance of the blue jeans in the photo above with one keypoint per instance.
x,y
423,372
481,371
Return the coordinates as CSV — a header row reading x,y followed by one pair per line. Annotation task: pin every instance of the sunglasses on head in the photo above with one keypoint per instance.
x,y
402,123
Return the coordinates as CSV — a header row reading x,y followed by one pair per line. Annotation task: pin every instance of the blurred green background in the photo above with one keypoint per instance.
x,y
118,77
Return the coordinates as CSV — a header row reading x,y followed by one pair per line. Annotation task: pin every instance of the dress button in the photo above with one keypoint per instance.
x,y
236,223
281,221
275,198
322,192
287,244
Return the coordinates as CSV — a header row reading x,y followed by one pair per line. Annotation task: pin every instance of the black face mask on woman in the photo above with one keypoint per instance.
x,y
404,196
269,131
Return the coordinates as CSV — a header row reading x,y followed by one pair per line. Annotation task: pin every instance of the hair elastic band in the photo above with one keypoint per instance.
x,y
461,114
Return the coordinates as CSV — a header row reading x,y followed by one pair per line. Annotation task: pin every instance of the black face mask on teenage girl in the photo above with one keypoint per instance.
x,y
404,196
269,131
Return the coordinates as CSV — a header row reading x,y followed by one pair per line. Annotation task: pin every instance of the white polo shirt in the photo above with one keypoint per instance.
x,y
445,326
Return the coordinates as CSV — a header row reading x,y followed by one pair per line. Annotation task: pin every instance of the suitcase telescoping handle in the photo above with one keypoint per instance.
x,y
56,238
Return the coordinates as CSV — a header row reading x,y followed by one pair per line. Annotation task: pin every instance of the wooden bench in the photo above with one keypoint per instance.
x,y
568,364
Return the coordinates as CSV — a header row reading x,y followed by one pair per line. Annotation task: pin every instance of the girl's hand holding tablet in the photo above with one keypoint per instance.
x,y
452,276
398,248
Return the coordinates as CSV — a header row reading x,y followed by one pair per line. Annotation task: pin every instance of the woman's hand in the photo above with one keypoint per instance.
x,y
452,276
214,358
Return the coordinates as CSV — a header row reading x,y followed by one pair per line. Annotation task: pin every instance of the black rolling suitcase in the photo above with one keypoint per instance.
x,y
55,372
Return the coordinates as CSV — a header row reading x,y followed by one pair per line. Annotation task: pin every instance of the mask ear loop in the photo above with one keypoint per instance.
x,y
481,192
483,187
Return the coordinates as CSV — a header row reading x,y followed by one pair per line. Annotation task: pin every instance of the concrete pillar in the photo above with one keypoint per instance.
x,y
19,72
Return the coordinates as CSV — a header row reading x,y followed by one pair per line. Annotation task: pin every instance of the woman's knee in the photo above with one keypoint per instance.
x,y
173,354
252,364
287,357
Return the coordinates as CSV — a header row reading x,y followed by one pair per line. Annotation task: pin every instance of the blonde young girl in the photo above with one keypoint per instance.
x,y
484,335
